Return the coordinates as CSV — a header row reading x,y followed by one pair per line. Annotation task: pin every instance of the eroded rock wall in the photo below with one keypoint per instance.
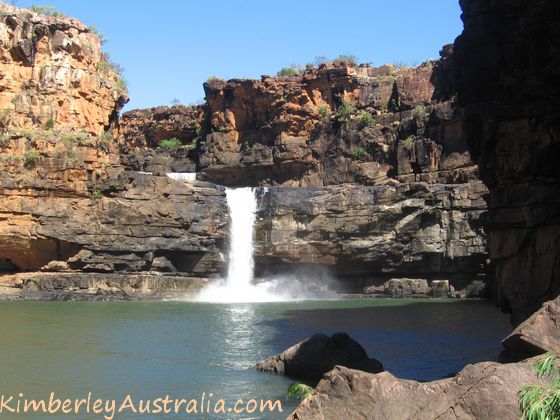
x,y
366,234
507,69
334,124
53,69
385,188
137,223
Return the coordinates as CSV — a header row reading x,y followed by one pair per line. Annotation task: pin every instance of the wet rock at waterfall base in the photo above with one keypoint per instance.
x,y
400,288
312,358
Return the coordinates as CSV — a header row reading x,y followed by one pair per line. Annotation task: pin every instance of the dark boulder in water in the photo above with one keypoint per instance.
x,y
312,358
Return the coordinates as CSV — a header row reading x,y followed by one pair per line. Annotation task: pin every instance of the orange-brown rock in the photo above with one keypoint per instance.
x,y
52,71
400,125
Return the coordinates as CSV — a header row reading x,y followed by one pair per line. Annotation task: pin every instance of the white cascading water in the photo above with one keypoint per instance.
x,y
182,176
239,286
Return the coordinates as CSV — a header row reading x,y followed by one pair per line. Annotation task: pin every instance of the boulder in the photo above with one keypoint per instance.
x,y
312,358
400,288
538,334
482,391
440,288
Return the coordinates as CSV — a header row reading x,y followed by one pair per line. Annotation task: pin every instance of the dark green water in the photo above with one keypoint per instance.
x,y
149,349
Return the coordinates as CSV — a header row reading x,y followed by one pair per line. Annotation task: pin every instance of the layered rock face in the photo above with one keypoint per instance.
x,y
371,233
385,183
137,224
70,218
507,69
54,73
334,124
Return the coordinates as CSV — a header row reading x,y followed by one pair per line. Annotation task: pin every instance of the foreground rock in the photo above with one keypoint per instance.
x,y
481,391
538,334
312,358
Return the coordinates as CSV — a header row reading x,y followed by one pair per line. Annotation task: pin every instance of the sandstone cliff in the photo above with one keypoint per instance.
x,y
366,234
386,184
334,124
54,73
507,70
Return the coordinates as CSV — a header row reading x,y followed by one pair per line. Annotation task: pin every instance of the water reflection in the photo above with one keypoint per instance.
x,y
238,326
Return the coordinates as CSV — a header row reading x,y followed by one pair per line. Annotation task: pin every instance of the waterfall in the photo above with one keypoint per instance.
x,y
239,285
182,176
242,204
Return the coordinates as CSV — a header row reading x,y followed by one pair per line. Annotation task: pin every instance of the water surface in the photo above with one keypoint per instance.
x,y
149,349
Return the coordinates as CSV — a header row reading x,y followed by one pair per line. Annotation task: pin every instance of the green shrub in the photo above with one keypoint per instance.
x,y
106,64
173,143
408,143
96,194
104,141
4,139
214,79
324,112
366,119
121,86
358,153
542,402
348,59
49,125
288,72
247,146
320,60
344,111
97,32
4,115
30,158
419,112
299,391
46,10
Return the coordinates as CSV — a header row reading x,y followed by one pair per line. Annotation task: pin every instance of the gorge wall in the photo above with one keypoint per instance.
x,y
507,68
368,173
332,124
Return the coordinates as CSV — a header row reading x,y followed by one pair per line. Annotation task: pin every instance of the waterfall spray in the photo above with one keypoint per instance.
x,y
239,286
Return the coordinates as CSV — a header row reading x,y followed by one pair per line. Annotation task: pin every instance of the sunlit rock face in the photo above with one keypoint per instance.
x,y
290,131
52,68
388,190
507,69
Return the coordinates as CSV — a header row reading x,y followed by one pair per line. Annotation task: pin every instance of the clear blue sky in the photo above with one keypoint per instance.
x,y
170,47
